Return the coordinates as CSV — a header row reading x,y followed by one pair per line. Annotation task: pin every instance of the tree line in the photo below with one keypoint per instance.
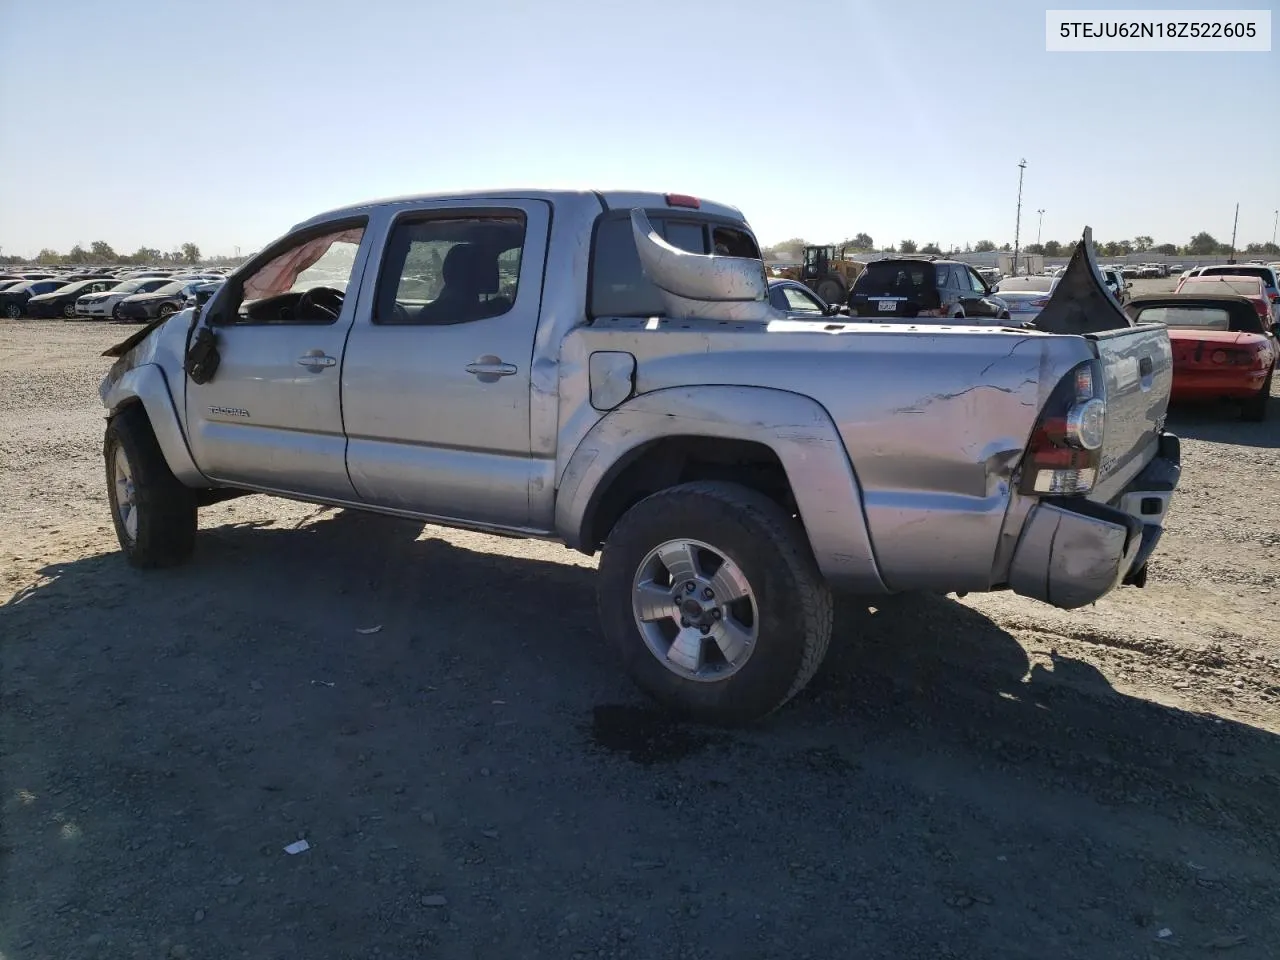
x,y
102,253
1203,244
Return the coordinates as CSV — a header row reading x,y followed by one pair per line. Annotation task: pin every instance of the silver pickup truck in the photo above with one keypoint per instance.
x,y
605,370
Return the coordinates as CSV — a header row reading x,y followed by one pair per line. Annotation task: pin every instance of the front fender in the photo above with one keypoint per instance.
x,y
147,384
798,430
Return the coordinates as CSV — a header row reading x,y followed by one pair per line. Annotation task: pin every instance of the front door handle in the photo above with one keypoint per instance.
x,y
316,360
489,368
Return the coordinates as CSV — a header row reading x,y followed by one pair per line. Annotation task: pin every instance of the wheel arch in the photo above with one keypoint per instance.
x,y
784,443
145,386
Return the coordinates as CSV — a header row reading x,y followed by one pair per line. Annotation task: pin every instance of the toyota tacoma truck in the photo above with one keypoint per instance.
x,y
604,369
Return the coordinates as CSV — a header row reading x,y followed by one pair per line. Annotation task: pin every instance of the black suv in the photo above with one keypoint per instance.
x,y
924,287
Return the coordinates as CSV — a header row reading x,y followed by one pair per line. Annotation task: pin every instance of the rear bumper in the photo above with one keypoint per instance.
x,y
1072,552
1189,385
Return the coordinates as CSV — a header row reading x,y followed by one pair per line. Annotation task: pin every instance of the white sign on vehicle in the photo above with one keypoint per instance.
x,y
888,304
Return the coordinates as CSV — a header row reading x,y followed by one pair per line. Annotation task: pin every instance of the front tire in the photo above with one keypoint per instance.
x,y
154,514
753,629
12,311
115,313
68,311
1254,410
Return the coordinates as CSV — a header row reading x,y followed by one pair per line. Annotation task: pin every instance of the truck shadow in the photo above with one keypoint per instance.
x,y
355,666
1220,423
929,667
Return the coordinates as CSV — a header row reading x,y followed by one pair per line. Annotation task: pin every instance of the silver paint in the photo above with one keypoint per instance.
x,y
902,442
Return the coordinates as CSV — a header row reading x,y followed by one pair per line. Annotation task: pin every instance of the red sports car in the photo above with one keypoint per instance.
x,y
1222,348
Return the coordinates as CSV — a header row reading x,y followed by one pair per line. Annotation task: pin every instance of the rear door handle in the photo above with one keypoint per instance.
x,y
488,369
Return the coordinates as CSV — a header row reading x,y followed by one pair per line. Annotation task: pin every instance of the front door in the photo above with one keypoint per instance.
x,y
436,376
271,417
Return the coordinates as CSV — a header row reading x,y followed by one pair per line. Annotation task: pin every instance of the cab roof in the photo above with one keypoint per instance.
x,y
608,199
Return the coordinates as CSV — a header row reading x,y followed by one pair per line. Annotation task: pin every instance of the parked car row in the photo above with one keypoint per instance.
x,y
1222,319
141,297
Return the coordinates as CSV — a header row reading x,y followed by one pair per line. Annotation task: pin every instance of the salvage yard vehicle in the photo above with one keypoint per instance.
x,y
548,364
14,300
924,287
1025,297
828,271
794,298
62,301
107,303
1222,348
1268,275
160,302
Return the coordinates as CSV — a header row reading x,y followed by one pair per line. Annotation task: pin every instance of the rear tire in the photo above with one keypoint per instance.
x,y
742,658
166,310
68,311
154,514
1254,410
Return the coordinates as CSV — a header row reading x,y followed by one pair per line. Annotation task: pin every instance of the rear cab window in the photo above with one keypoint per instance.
x,y
618,286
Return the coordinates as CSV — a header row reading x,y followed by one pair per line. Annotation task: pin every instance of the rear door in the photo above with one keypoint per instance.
x,y
436,377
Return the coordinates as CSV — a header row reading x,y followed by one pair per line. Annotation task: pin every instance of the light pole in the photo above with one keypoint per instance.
x,y
1274,221
1234,223
1017,224
1039,224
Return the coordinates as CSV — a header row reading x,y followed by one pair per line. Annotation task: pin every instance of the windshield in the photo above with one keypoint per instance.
x,y
890,279
171,287
129,286
1240,286
1030,284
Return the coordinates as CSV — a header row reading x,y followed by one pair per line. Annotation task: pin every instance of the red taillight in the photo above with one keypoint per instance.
x,y
683,200
1065,448
1232,357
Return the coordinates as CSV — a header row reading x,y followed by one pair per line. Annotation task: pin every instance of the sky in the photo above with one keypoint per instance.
x,y
225,122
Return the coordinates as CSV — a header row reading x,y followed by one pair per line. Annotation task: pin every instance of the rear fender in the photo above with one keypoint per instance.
x,y
147,385
798,430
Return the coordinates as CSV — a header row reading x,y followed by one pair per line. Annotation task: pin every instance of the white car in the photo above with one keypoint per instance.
x,y
1026,296
105,304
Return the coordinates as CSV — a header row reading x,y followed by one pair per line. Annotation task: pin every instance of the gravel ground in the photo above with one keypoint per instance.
x,y
985,777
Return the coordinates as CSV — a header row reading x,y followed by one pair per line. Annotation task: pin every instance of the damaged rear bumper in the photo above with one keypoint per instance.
x,y
1072,552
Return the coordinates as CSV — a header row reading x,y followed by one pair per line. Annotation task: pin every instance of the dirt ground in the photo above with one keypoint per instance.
x,y
973,778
